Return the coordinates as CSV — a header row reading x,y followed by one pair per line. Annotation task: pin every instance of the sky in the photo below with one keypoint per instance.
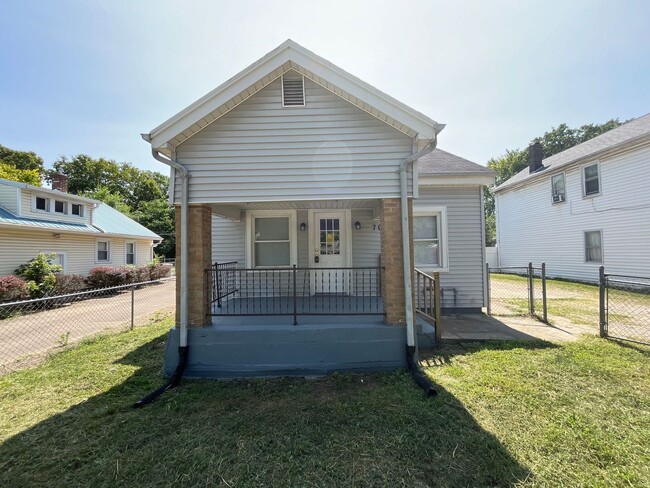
x,y
83,76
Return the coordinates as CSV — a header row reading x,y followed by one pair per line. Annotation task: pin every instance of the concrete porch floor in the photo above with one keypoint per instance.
x,y
481,327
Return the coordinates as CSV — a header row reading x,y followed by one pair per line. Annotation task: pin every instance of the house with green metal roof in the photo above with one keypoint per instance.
x,y
82,232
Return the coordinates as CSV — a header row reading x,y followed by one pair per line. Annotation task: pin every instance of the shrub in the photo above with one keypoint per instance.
x,y
39,274
68,283
13,288
105,276
158,271
140,274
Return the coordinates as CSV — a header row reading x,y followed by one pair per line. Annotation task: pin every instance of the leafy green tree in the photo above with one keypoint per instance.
x,y
556,140
158,216
29,176
39,274
22,160
103,194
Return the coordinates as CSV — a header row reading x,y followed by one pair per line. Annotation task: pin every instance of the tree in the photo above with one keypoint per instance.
x,y
158,216
103,194
22,160
29,176
556,140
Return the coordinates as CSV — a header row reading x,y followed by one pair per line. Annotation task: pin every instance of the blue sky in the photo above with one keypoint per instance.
x,y
90,76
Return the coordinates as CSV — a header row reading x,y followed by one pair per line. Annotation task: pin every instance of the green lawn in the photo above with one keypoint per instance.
x,y
534,414
576,302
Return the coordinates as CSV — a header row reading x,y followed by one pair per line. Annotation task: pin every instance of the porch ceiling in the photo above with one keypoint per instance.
x,y
231,211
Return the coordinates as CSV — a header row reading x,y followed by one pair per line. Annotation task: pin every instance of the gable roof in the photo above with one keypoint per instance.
x,y
439,162
290,56
631,133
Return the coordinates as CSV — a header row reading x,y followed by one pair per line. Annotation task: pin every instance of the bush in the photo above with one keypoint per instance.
x,y
158,271
39,274
105,276
68,283
13,288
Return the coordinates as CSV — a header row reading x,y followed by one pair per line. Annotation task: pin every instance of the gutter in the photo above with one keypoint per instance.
x,y
411,347
183,349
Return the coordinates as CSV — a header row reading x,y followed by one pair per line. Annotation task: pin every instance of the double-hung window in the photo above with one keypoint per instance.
x,y
558,187
272,239
130,252
429,236
594,246
590,180
103,251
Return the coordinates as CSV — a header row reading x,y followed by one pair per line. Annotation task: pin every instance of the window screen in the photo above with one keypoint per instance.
x,y
272,246
426,240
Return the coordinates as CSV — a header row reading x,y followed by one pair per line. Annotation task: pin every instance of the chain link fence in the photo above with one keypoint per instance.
x,y
625,307
30,329
517,291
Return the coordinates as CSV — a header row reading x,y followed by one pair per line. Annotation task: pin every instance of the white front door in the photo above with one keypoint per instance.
x,y
330,250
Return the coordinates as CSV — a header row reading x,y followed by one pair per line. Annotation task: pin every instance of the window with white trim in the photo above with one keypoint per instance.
x,y
60,207
429,234
59,258
594,246
103,251
558,187
271,239
77,209
591,180
42,203
130,252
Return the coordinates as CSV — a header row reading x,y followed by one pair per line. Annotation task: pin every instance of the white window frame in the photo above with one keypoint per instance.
x,y
602,247
65,207
439,211
584,181
62,253
82,209
563,175
108,248
304,95
48,204
135,252
251,215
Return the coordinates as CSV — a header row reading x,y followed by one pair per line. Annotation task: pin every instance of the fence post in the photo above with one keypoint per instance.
x,y
437,306
601,299
531,288
295,305
487,289
544,303
132,306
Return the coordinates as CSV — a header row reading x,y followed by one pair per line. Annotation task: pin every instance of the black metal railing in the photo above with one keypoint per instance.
x,y
294,291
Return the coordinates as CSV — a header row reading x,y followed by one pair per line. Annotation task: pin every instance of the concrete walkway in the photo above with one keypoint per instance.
x,y
480,327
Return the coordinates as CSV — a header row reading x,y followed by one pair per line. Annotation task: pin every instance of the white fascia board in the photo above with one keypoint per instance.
x,y
289,51
470,180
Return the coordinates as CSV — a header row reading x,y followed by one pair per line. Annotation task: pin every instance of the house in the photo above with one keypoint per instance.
x,y
582,208
292,182
82,232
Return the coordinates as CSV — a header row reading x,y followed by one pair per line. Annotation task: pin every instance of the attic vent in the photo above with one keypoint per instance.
x,y
293,91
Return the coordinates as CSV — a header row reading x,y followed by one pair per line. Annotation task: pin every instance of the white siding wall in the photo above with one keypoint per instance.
x,y
262,151
465,246
19,246
531,228
9,198
27,211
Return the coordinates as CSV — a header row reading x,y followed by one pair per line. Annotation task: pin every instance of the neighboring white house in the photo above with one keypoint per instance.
x,y
586,207
82,232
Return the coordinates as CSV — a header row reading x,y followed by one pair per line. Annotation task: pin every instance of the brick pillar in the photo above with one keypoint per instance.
x,y
199,236
392,289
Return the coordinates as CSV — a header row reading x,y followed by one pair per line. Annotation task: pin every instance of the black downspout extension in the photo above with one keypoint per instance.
x,y
420,379
173,382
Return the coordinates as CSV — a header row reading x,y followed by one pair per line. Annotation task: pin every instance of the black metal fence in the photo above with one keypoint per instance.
x,y
625,307
294,291
517,291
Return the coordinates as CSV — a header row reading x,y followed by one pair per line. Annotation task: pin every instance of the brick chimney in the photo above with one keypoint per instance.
x,y
60,182
535,156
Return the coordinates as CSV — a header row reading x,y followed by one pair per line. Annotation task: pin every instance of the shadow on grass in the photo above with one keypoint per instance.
x,y
343,430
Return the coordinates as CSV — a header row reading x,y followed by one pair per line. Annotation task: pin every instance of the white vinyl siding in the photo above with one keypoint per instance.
x,y
261,151
18,246
464,243
9,196
530,228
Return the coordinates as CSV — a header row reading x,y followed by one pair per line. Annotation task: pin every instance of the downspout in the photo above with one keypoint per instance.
x,y
411,345
183,348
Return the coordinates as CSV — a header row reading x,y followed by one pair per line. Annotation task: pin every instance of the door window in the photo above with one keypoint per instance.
x,y
330,236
